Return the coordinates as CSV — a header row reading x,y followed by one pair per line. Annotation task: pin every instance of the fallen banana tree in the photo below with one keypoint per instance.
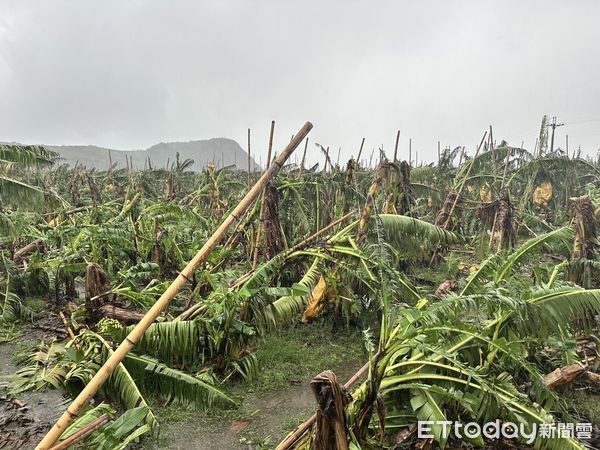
x,y
465,358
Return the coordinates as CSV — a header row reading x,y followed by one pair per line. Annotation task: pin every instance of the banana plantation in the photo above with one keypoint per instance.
x,y
471,286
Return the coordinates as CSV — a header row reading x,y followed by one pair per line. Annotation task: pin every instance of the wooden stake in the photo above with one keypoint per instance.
x,y
396,146
248,157
326,159
493,150
161,304
360,152
301,172
81,434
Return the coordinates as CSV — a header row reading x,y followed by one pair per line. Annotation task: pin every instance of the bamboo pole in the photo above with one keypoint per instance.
x,y
161,304
326,159
303,159
248,158
83,433
396,146
261,216
360,153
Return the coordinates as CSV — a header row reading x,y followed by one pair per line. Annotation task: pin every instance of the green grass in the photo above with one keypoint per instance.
x,y
294,354
36,304
585,403
301,352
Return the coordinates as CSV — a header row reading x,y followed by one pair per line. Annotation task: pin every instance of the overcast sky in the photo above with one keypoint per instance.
x,y
129,73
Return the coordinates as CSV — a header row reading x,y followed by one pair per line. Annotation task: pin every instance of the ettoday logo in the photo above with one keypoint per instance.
x,y
505,430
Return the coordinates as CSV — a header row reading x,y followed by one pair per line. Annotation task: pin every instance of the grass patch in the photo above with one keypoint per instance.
x,y
290,355
585,403
303,351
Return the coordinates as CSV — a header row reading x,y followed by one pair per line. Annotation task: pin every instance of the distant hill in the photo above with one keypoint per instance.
x,y
220,151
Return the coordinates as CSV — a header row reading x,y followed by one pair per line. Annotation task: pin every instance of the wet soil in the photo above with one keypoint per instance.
x,y
25,418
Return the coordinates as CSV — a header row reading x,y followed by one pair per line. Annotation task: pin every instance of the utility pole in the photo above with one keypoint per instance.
x,y
553,125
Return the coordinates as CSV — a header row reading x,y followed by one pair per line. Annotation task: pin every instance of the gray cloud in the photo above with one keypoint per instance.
x,y
127,74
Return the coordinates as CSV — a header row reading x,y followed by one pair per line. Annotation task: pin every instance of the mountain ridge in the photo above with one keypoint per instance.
x,y
219,151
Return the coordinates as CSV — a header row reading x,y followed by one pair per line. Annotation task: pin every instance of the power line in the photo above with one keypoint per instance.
x,y
583,121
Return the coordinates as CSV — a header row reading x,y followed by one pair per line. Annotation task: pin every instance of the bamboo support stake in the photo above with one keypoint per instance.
x,y
303,159
493,150
261,216
326,159
248,158
82,434
396,146
161,304
360,153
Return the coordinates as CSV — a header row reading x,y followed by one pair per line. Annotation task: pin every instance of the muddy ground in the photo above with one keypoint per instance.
x,y
270,406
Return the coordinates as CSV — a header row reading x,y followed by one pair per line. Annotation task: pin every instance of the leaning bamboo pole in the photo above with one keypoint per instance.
x,y
362,143
161,304
82,434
